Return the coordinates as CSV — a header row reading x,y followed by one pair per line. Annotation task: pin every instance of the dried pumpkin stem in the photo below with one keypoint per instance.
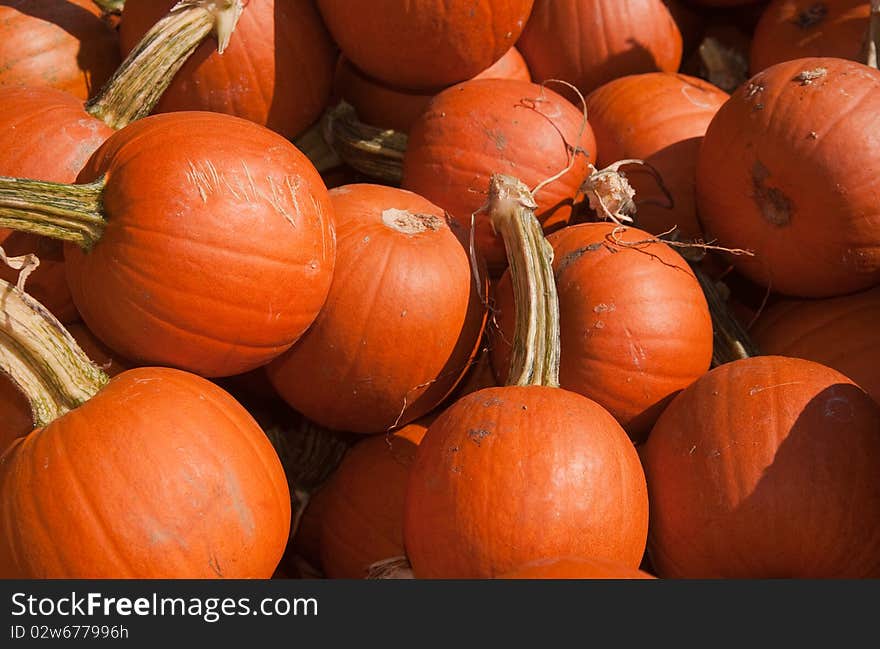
x,y
316,149
375,152
134,90
873,42
731,341
71,213
536,348
110,6
42,358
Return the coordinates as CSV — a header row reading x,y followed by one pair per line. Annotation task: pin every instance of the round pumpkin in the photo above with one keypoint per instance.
x,y
277,70
838,332
362,510
424,44
61,44
782,172
180,483
401,323
475,129
590,42
796,29
766,468
380,105
635,326
576,569
660,118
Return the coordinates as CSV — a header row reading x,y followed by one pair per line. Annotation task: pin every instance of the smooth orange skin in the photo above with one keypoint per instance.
x,y
660,118
199,271
180,484
785,170
399,328
838,332
424,44
766,468
362,515
510,475
45,134
635,326
387,107
576,569
780,36
478,128
61,44
590,42
277,70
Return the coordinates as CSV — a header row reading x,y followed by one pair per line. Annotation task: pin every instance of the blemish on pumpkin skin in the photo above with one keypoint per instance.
x,y
477,435
775,206
811,16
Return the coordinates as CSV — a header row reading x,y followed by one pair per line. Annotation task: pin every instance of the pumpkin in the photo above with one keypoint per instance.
x,y
774,177
510,475
838,332
635,327
277,70
61,44
576,569
49,134
165,203
362,507
387,107
481,127
590,42
659,118
796,29
766,468
212,499
401,323
424,44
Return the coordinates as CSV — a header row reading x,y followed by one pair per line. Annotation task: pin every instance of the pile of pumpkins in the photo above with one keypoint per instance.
x,y
473,289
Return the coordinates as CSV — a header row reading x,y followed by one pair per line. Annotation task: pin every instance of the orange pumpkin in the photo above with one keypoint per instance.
x,y
424,44
576,569
659,118
486,126
766,468
635,326
401,323
773,177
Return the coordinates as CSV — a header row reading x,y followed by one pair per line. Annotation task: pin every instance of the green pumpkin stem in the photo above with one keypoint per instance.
x,y
42,358
135,88
71,213
536,346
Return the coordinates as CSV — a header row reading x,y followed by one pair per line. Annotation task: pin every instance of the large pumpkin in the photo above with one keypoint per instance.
x,y
784,171
486,126
424,44
61,44
766,468
401,323
659,118
838,332
795,29
590,42
277,70
635,326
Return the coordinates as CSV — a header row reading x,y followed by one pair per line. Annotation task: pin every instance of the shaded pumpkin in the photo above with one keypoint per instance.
x,y
635,326
576,569
277,70
774,177
424,44
61,44
659,118
486,126
590,42
401,323
362,508
766,468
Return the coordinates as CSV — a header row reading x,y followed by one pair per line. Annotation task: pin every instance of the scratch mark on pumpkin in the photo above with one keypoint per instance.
x,y
215,565
250,180
755,389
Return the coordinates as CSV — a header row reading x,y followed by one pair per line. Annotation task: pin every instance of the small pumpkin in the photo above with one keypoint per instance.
x,y
766,468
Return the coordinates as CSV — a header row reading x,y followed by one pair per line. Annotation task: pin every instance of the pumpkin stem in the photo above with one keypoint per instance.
x,y
316,149
723,66
731,342
612,197
873,44
393,568
67,212
42,358
135,88
535,359
375,152
110,6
